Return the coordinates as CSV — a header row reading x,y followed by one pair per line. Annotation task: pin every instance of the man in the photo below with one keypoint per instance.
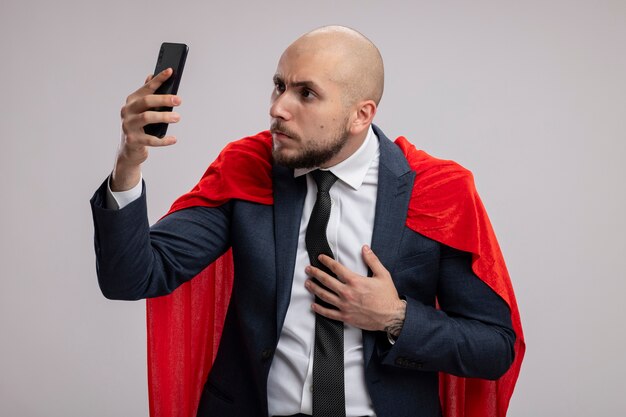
x,y
371,286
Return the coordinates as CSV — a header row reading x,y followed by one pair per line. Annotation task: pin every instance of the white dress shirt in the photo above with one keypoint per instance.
x,y
350,227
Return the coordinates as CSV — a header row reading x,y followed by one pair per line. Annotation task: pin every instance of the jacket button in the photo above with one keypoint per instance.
x,y
266,354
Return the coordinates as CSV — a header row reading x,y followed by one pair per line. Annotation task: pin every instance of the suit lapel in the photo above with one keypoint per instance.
x,y
289,195
395,183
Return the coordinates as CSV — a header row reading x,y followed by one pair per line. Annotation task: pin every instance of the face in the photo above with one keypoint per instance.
x,y
309,120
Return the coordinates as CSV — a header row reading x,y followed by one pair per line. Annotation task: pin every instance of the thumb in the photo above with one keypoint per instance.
x,y
372,261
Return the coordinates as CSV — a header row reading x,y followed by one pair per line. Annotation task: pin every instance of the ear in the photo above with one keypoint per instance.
x,y
363,116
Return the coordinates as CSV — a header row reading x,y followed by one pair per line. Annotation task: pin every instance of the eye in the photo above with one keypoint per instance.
x,y
279,86
306,93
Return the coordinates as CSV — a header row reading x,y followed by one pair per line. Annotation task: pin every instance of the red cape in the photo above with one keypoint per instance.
x,y
184,328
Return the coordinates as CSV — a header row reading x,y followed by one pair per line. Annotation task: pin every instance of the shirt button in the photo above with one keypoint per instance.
x,y
311,388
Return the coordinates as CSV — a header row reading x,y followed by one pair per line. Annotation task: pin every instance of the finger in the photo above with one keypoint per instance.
x,y
373,262
325,279
321,292
336,268
165,141
142,103
144,139
148,78
156,81
138,121
327,312
151,84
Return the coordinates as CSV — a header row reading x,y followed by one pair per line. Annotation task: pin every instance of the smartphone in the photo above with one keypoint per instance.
x,y
171,55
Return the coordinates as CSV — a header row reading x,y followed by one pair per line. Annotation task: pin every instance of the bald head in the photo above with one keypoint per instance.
x,y
353,61
327,87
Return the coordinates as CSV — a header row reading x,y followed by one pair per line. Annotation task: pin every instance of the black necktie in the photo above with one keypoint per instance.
x,y
328,382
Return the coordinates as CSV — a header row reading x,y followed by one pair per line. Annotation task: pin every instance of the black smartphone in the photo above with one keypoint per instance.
x,y
171,55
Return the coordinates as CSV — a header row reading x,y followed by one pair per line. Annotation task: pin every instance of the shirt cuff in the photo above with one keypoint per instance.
x,y
117,200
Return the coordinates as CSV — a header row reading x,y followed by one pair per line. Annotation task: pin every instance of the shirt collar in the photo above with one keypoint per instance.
x,y
352,170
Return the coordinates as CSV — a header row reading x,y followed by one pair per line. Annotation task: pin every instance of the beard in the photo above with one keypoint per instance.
x,y
313,152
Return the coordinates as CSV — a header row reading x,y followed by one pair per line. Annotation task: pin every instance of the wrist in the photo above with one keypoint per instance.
x,y
124,176
394,326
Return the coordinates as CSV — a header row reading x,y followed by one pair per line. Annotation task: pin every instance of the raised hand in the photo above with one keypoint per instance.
x,y
136,113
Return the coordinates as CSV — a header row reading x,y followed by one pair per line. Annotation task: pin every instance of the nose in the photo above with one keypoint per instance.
x,y
279,107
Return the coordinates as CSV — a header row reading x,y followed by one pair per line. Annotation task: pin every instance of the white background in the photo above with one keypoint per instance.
x,y
529,95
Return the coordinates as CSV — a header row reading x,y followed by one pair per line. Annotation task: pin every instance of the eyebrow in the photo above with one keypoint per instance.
x,y
305,83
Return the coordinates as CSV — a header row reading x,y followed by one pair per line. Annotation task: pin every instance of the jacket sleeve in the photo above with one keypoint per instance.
x,y
134,260
469,335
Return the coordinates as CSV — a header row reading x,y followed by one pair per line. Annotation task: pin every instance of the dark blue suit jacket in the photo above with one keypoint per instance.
x,y
470,336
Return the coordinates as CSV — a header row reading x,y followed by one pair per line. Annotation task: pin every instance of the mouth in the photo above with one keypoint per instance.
x,y
277,132
281,136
